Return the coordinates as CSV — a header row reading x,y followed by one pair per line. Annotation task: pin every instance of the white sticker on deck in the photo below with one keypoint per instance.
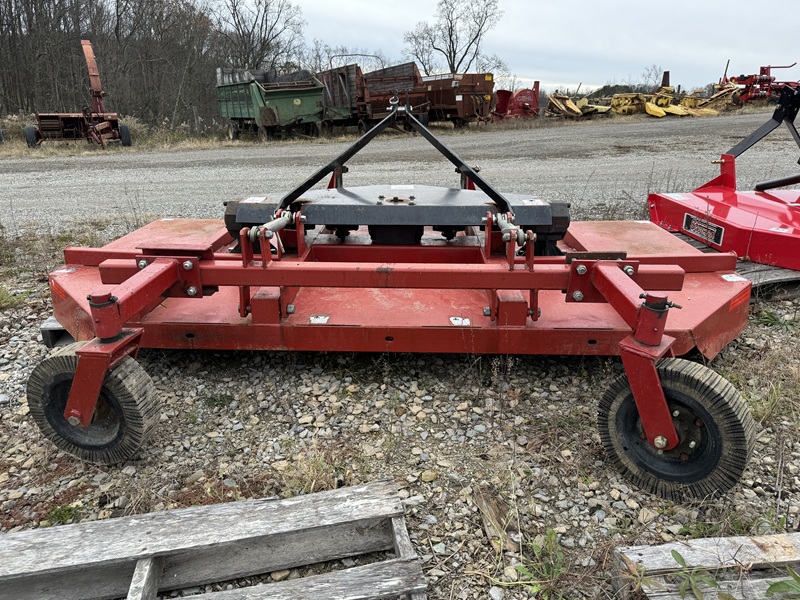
x,y
733,277
460,321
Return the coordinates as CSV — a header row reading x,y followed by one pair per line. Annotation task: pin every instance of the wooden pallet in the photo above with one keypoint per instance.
x,y
142,555
742,566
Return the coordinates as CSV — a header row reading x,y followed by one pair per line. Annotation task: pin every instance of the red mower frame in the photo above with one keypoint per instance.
x,y
625,289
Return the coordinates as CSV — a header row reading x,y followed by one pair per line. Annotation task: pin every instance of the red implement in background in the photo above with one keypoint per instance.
x,y
522,104
409,268
93,123
761,226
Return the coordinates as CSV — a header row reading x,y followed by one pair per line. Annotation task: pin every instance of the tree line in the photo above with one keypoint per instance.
x,y
157,58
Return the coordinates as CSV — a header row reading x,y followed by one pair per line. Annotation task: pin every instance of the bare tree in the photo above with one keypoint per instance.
x,y
455,35
261,34
321,57
651,76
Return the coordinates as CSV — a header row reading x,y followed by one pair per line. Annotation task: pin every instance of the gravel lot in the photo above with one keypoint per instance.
x,y
240,425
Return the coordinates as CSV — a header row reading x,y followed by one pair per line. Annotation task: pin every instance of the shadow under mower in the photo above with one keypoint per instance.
x,y
408,268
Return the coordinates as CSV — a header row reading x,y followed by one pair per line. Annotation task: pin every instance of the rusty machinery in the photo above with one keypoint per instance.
x,y
93,123
400,267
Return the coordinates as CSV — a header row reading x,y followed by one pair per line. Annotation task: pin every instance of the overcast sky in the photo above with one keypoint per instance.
x,y
591,42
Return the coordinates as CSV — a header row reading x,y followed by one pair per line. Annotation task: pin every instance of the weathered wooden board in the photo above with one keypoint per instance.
x,y
743,566
199,545
742,588
387,579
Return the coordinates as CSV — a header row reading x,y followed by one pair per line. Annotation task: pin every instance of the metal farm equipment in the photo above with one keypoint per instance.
x,y
760,226
271,106
762,86
522,104
459,98
408,268
92,124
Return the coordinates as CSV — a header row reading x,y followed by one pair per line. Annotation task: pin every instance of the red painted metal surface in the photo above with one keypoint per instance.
x,y
420,298
761,226
94,361
186,284
763,86
521,104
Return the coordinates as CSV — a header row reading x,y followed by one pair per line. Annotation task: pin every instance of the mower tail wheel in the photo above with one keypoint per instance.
x,y
31,136
233,131
126,411
714,425
125,136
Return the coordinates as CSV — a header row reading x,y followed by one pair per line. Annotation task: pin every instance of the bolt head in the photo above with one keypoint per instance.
x,y
142,264
74,421
628,271
487,311
290,309
577,295
188,265
191,291
581,269
676,413
660,442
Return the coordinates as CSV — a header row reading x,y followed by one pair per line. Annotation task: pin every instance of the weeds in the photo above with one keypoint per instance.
x,y
8,300
545,567
59,515
787,588
218,400
320,468
690,579
768,318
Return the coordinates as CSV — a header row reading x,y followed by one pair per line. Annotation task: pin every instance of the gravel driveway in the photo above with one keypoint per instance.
x,y
601,160
239,425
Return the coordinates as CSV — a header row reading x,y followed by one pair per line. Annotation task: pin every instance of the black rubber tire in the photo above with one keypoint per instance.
x,y
125,136
127,410
233,131
31,136
711,413
2,136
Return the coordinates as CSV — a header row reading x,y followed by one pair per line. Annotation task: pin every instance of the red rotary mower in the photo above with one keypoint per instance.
x,y
760,226
408,268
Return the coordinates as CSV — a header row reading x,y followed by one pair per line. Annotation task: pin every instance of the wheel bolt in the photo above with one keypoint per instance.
x,y
74,421
676,413
660,442
692,444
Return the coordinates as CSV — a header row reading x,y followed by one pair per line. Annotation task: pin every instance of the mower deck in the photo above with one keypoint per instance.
x,y
405,268
377,319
